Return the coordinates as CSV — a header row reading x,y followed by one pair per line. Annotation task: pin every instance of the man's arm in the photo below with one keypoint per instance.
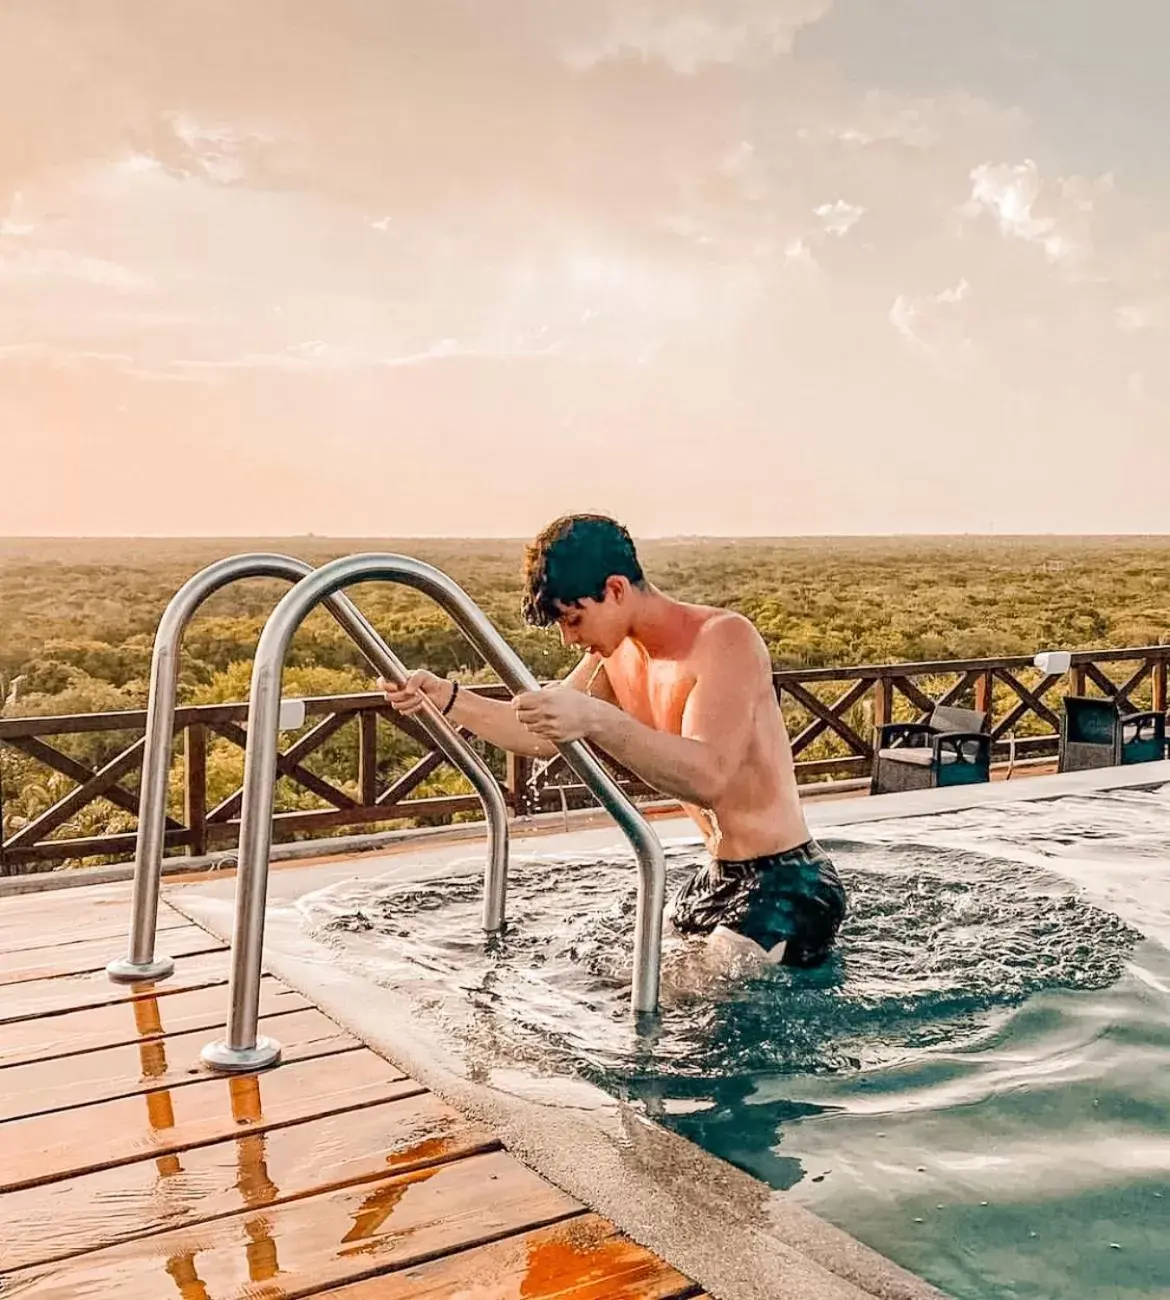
x,y
732,671
495,720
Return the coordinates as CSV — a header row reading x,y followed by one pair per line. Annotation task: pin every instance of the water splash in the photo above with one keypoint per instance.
x,y
937,944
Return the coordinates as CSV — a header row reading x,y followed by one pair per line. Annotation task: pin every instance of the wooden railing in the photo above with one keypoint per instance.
x,y
832,715
1022,703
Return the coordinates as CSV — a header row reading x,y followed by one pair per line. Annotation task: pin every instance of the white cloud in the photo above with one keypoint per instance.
x,y
878,121
317,355
16,223
840,217
1011,192
929,326
742,165
216,147
957,294
731,32
60,264
136,163
798,253
61,356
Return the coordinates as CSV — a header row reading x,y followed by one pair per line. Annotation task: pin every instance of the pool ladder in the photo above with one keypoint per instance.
x,y
141,961
242,1049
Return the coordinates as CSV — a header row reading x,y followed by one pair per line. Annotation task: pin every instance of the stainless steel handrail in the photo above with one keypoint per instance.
x,y
141,962
242,1049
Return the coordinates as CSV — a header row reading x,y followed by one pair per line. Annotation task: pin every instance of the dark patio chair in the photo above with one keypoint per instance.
x,y
952,748
1097,733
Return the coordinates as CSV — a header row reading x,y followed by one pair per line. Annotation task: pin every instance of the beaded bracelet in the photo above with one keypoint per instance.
x,y
447,707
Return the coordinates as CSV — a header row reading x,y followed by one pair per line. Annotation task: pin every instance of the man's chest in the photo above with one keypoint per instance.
x,y
653,691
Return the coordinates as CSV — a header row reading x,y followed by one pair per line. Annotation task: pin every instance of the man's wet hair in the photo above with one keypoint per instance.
x,y
572,559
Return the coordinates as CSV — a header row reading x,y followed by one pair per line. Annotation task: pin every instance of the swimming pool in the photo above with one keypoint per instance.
x,y
976,1086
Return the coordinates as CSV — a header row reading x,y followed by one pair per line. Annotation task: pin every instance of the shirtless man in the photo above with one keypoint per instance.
x,y
682,695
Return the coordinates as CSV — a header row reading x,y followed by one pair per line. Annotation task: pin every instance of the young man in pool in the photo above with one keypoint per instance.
x,y
681,695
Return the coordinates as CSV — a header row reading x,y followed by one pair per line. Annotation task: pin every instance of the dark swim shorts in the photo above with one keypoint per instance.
x,y
794,897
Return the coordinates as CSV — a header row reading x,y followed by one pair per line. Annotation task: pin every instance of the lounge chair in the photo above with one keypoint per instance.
x,y
952,748
1097,733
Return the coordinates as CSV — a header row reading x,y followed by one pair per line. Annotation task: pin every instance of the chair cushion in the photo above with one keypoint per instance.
x,y
948,718
918,756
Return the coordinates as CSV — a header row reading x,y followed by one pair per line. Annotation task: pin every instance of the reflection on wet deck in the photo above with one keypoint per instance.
x,y
130,1171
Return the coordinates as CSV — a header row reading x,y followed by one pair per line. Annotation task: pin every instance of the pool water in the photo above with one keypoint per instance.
x,y
977,1084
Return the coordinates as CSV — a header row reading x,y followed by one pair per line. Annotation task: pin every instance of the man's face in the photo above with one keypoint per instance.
x,y
591,624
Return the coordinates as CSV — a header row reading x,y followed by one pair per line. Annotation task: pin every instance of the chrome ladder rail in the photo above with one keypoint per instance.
x,y
141,962
242,1049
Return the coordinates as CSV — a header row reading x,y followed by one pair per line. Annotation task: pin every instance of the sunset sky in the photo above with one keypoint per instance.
x,y
453,267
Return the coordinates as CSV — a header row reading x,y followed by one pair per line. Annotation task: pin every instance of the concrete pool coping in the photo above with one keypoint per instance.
x,y
959,798
736,1236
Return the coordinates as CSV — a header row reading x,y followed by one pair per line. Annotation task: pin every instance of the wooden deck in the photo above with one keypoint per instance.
x,y
128,1171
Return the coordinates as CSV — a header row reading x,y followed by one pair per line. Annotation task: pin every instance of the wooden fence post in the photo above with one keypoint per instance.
x,y
516,776
195,786
1159,686
368,758
883,709
1076,680
985,695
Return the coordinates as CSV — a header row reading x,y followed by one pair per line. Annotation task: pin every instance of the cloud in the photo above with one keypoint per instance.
x,y
60,264
1011,191
840,217
704,35
15,224
16,352
1134,317
929,327
316,355
218,149
798,253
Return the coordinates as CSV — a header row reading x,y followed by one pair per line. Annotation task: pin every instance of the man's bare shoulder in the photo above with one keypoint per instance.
x,y
729,637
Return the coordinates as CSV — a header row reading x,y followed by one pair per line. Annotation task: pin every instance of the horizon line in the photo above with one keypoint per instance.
x,y
518,537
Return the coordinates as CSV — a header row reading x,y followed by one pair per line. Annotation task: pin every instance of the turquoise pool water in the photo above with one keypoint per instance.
x,y
978,1085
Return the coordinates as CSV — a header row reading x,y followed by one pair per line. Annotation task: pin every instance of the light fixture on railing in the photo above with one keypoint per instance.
x,y
1053,663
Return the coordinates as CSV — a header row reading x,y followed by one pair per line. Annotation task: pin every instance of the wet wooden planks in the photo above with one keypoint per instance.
x,y
336,1236
64,916
71,993
93,955
581,1258
56,1220
91,1029
41,1087
71,1142
128,1170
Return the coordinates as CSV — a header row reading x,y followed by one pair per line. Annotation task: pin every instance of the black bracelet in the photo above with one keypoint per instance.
x,y
447,707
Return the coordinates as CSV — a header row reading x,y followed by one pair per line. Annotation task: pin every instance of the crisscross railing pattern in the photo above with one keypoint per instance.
x,y
832,714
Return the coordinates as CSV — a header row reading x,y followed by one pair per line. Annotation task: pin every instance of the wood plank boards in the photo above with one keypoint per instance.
x,y
42,1224
582,1258
72,1142
165,1063
70,993
93,1028
128,1169
315,1242
83,913
94,954
113,928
